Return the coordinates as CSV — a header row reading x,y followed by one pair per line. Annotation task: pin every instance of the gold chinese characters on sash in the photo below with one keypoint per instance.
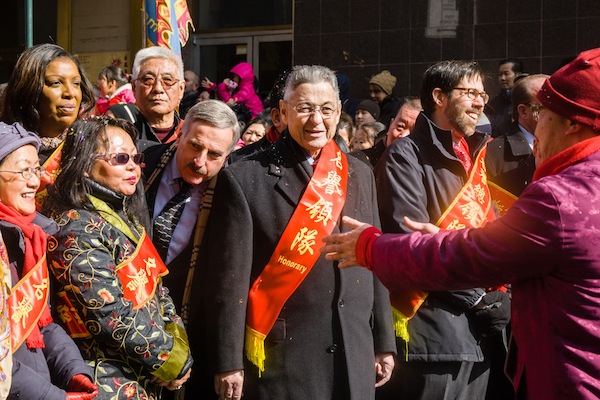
x,y
50,168
139,276
27,301
298,249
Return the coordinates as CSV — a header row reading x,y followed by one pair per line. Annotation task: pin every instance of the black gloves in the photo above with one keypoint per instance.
x,y
491,314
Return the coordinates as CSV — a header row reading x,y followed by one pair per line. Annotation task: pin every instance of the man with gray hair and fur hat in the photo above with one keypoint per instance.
x,y
158,84
546,246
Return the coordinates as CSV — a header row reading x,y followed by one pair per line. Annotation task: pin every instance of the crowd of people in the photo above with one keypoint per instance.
x,y
163,236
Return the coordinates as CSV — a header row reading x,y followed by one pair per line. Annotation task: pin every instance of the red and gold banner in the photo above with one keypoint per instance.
x,y
139,276
167,23
27,301
471,208
298,249
502,198
51,167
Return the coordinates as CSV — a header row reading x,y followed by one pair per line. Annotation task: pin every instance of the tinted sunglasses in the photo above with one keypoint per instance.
x,y
121,158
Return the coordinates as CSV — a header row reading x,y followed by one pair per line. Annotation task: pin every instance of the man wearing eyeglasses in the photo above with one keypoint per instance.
x,y
305,329
546,246
437,174
509,159
158,85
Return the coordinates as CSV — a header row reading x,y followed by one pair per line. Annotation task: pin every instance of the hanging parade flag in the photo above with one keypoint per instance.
x,y
167,23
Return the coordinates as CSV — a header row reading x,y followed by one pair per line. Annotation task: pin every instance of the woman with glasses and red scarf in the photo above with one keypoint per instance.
x,y
45,361
110,297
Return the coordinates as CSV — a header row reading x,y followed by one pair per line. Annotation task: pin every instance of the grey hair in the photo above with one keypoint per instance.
x,y
155,52
371,128
301,74
214,113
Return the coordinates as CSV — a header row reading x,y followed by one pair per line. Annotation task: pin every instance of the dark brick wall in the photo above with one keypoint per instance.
x,y
363,37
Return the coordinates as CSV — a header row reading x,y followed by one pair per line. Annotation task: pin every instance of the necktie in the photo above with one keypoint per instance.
x,y
166,221
462,156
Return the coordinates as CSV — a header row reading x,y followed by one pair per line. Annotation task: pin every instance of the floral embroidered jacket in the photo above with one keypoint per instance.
x,y
126,347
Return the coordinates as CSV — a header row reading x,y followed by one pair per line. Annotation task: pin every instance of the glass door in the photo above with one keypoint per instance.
x,y
269,53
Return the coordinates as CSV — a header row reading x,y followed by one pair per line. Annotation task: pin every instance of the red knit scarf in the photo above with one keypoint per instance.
x,y
35,247
567,157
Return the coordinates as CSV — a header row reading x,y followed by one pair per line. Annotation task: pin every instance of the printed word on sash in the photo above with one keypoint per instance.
x,y
298,249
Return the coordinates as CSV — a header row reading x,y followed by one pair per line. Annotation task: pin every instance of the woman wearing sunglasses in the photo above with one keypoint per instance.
x,y
111,297
40,348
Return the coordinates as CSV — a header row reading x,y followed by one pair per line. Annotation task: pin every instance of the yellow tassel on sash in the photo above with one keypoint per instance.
x,y
401,327
255,348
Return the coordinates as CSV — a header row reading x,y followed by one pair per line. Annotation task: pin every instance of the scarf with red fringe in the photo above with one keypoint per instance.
x,y
35,247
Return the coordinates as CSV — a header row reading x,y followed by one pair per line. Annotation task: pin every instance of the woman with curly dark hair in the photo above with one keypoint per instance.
x,y
109,272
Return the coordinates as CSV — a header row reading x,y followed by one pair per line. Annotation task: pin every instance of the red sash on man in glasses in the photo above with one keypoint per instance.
x,y
472,207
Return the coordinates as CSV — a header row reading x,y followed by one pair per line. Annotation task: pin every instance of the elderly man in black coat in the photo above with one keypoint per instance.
x,y
305,329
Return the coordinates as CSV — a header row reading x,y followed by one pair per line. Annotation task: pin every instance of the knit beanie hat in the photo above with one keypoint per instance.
x,y
370,106
15,136
572,91
384,80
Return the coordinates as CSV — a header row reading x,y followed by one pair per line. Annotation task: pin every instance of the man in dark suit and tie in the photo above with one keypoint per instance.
x,y
180,179
305,329
509,159
187,165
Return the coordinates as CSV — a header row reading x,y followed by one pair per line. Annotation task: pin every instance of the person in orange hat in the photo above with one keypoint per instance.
x,y
546,246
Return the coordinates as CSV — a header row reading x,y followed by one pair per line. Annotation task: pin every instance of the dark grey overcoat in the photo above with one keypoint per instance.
x,y
325,339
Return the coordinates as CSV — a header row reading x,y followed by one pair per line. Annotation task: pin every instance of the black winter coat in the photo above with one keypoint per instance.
x,y
324,342
509,161
418,177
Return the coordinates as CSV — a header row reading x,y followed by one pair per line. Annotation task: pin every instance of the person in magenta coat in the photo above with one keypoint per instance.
x,y
547,246
238,88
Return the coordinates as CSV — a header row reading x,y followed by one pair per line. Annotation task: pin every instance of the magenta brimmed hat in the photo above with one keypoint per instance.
x,y
572,91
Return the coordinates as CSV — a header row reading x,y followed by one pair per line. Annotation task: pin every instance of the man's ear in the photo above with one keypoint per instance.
x,y
521,110
438,96
574,127
283,111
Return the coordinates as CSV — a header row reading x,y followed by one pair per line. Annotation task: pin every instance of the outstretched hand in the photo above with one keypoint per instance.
x,y
342,246
423,227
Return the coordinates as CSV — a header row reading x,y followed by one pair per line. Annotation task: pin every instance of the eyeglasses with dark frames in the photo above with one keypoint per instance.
x,y
121,158
473,94
28,173
150,81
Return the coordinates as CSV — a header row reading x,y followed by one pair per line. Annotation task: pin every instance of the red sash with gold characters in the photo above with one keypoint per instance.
x,y
472,207
27,301
51,167
139,276
502,198
314,218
